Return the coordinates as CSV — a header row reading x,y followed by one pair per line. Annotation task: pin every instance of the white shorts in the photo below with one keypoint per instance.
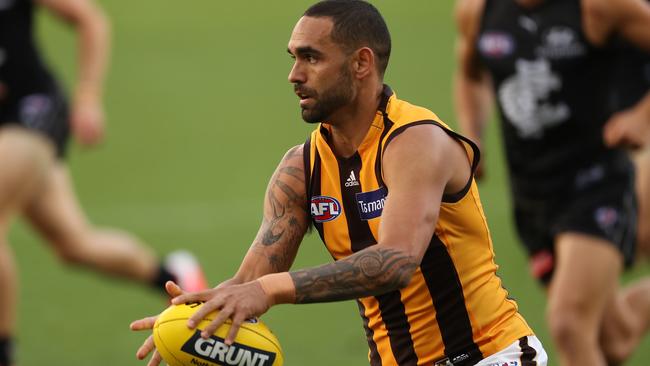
x,y
527,351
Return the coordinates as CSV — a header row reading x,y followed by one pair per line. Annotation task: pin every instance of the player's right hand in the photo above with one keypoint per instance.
x,y
87,119
628,128
147,323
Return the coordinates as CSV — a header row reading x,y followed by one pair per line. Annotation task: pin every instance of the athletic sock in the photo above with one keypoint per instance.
x,y
163,276
6,351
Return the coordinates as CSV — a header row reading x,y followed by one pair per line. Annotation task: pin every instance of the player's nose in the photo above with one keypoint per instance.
x,y
296,75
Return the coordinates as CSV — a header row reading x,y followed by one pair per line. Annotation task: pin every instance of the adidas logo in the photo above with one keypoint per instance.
x,y
352,180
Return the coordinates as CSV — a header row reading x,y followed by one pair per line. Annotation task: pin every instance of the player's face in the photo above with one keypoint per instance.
x,y
321,73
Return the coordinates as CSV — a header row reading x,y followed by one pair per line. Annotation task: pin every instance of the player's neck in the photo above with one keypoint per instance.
x,y
350,124
529,3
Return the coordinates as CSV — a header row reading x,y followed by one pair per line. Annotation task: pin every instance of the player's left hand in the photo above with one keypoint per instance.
x,y
87,118
147,323
629,128
235,302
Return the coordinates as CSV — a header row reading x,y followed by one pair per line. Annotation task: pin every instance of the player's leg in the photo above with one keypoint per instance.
x,y
58,216
584,283
8,300
642,163
24,158
626,321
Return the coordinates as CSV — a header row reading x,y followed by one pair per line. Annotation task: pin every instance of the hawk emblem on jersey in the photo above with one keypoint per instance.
x,y
524,98
496,44
371,204
325,208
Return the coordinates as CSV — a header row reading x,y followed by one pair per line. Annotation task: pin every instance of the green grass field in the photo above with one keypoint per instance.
x,y
200,111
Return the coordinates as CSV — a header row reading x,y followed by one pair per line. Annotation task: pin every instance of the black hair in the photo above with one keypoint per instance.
x,y
357,23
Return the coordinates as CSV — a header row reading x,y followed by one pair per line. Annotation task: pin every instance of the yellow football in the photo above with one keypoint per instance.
x,y
255,344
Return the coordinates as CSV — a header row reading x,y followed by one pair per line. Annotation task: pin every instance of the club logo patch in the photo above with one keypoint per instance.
x,y
325,208
561,42
215,350
607,218
496,44
371,204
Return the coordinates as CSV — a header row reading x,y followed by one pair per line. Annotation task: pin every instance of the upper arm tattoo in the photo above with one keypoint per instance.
x,y
372,271
285,218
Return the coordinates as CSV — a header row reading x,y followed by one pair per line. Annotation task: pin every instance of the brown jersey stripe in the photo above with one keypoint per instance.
x,y
449,301
528,353
388,124
393,314
360,234
375,357
306,158
316,191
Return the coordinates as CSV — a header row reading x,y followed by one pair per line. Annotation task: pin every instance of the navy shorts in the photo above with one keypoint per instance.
x,y
46,112
599,200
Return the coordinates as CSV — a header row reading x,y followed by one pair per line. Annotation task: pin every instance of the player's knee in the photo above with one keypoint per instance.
x,y
68,252
616,353
566,325
68,257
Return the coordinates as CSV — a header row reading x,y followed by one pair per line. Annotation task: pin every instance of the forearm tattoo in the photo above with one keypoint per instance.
x,y
285,218
369,272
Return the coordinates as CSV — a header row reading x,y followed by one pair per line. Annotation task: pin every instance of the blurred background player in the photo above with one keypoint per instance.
x,y
34,125
550,64
421,267
629,126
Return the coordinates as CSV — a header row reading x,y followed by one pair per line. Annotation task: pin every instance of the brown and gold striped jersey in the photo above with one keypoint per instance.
x,y
454,306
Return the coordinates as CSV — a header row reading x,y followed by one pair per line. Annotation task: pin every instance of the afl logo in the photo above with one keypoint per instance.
x,y
324,208
496,44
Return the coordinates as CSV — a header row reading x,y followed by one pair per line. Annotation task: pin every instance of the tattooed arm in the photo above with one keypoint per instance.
x,y
284,221
372,271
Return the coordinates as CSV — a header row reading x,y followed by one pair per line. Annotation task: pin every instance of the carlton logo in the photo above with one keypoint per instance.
x,y
216,351
324,208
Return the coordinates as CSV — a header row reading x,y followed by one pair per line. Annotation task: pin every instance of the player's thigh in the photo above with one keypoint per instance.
x,y
586,275
22,150
25,158
56,214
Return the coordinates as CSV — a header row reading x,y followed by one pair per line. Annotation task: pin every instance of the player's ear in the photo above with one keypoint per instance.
x,y
363,62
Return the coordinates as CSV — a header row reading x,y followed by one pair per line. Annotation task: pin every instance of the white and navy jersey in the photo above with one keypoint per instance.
x,y
551,88
22,71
